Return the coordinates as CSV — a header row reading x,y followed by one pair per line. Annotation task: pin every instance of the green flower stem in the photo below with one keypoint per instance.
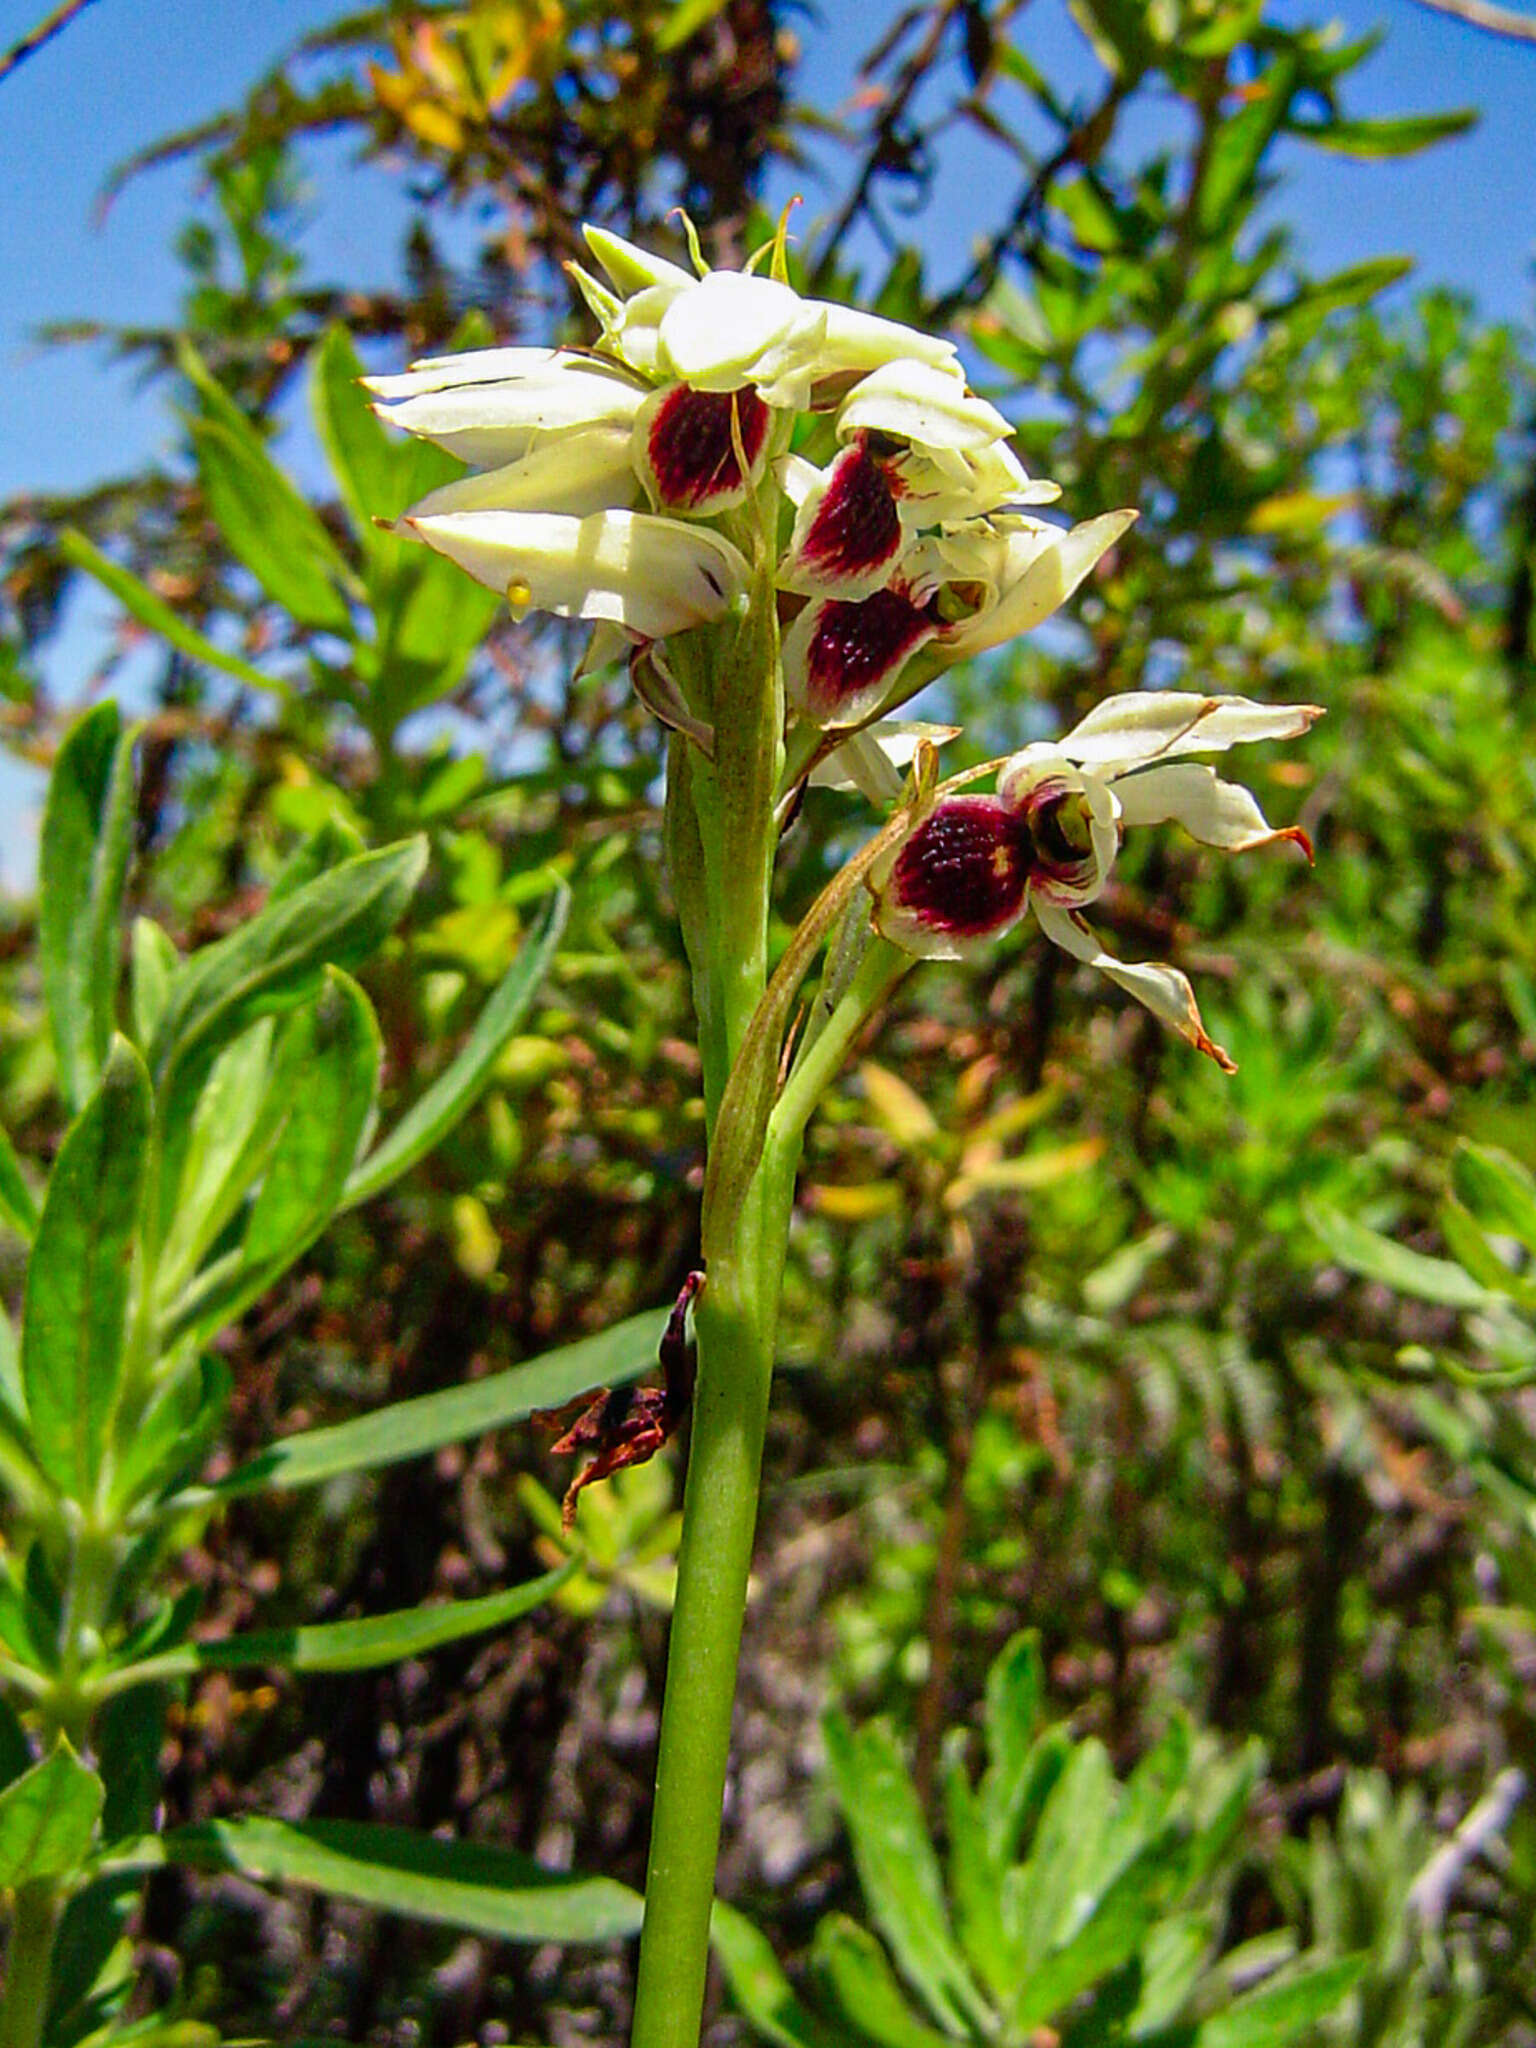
x,y
29,1963
882,967
735,1324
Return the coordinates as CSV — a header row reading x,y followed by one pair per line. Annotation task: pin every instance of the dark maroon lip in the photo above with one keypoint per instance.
x,y
965,871
859,642
856,527
693,448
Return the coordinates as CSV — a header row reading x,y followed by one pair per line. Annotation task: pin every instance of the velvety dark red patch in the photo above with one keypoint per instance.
x,y
964,871
860,641
692,451
856,527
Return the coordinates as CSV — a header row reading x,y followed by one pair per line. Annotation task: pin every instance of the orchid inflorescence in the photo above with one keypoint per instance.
x,y
640,484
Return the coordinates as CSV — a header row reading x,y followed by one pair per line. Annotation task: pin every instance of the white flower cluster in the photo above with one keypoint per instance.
x,y
609,485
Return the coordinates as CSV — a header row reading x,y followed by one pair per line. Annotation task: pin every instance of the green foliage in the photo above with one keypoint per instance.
x,y
1069,1901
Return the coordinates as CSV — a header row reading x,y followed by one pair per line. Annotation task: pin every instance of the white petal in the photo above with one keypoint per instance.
x,y
473,366
873,761
1051,571
633,269
1021,776
1164,991
922,404
590,470
1151,725
652,576
1216,813
493,421
856,340
715,335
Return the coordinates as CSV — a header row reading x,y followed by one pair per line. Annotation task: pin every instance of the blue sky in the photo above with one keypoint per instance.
x,y
128,71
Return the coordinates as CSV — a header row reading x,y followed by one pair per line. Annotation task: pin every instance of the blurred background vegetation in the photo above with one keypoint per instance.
x,y
1080,1338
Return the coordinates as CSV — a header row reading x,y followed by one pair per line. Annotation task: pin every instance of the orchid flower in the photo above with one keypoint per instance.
x,y
955,593
1047,839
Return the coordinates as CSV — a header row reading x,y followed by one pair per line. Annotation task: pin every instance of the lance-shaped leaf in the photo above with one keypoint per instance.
x,y
762,1991
325,1079
456,1090
17,1208
900,1874
474,1885
82,865
152,612
1374,1257
47,1818
275,961
1281,2013
408,1429
77,1278
361,1645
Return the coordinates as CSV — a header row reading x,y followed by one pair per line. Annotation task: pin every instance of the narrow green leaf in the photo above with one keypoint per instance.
x,y
155,961
685,20
275,961
1110,1936
141,603
1375,1257
1278,2015
363,459
1172,1958
1042,1905
324,1082
455,1091
1498,1190
761,1989
1469,1245
860,1981
12,1394
365,1644
1238,146
474,1885
216,1157
82,866
974,1879
1015,1691
47,1818
899,1871
1400,135
273,530
17,1206
77,1277
408,1429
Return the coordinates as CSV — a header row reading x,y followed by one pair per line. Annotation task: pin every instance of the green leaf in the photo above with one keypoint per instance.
x,y
408,1429
275,961
155,961
217,1156
974,1879
363,459
15,1756
1279,2014
1237,148
1015,1690
271,528
365,1644
77,1278
860,1981
1498,1190
17,1207
1112,1934
761,1989
455,1091
685,20
325,1078
141,603
47,1818
474,1885
1043,1902
1401,135
172,1436
899,1872
1375,1257
83,864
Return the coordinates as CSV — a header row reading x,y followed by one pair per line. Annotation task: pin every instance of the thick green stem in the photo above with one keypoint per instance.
x,y
29,1964
735,1323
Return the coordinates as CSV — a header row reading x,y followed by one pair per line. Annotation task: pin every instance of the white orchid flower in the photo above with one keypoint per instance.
x,y
651,576
919,451
954,594
1047,839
